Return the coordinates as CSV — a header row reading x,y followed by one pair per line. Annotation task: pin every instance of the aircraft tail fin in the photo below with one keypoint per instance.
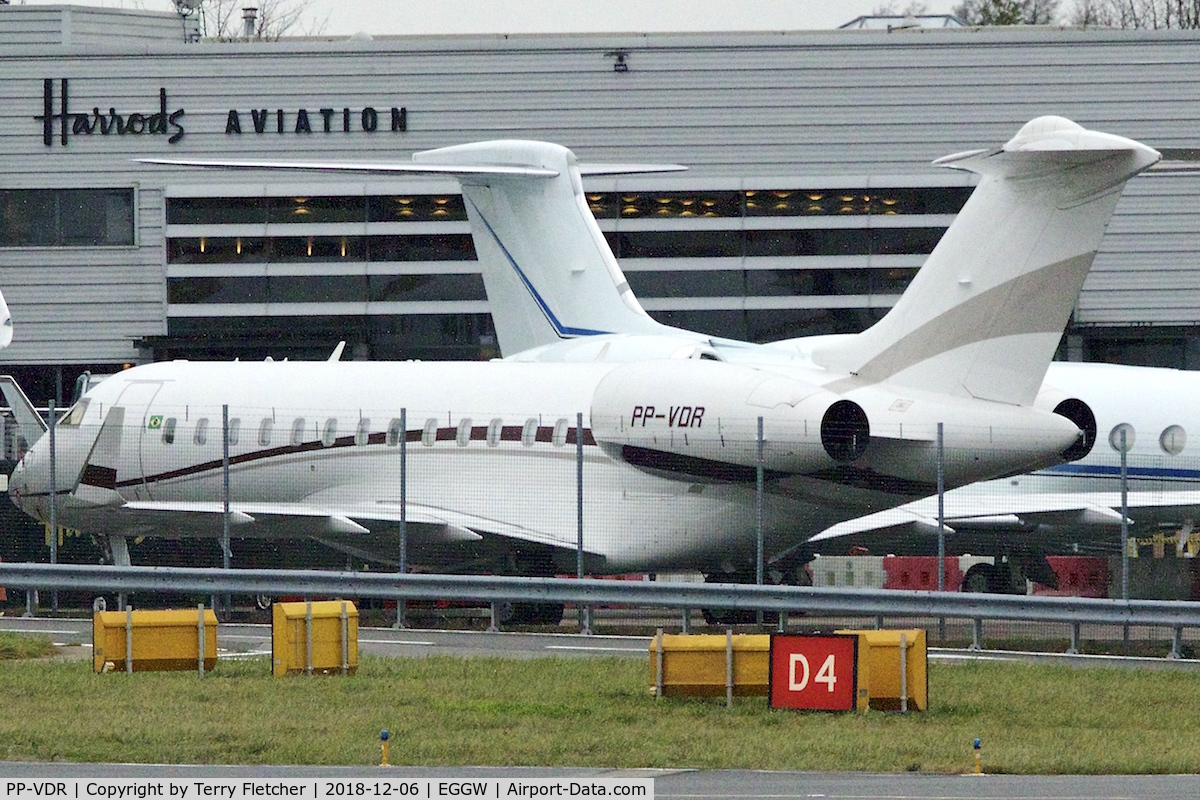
x,y
535,237
985,313
539,246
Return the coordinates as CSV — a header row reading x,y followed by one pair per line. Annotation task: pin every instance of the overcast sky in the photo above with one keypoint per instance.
x,y
345,17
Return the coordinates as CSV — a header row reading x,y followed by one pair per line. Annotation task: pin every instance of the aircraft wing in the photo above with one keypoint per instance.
x,y
1040,519
302,518
364,528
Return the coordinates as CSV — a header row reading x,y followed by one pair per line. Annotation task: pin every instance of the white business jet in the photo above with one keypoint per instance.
x,y
669,416
550,309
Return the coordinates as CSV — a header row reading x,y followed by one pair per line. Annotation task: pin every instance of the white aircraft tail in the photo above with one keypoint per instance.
x,y
535,237
546,265
985,313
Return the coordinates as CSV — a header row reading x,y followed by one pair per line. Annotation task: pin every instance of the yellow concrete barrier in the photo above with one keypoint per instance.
x,y
137,641
312,638
710,666
882,670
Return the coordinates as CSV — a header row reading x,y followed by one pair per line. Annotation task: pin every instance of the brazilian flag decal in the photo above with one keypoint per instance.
x,y
155,422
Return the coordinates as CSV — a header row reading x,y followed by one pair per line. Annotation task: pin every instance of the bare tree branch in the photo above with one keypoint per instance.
x,y
1138,13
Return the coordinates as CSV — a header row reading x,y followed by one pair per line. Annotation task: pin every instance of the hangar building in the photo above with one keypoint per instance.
x,y
809,204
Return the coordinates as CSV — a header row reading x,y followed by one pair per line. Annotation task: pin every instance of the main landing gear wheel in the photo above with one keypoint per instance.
x,y
983,579
531,613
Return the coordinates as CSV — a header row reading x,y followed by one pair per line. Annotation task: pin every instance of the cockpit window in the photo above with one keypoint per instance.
x,y
74,415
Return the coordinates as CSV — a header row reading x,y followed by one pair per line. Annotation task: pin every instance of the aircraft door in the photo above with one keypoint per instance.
x,y
136,399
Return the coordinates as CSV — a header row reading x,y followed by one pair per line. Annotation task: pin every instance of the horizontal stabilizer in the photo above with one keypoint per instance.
x,y
365,168
627,169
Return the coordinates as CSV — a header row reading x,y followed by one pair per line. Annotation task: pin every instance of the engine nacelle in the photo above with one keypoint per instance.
x,y
1078,412
981,439
701,417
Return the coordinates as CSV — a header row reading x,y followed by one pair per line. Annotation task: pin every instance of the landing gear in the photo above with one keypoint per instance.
x,y
985,579
530,613
730,616
533,565
1009,574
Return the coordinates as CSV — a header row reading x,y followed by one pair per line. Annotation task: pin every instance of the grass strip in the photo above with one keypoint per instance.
x,y
22,645
593,713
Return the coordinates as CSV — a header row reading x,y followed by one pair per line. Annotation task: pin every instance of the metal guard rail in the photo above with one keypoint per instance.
x,y
594,592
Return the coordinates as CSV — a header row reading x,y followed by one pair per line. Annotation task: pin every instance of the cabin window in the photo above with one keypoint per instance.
x,y
235,427
265,429
298,431
560,432
1114,438
362,434
495,428
168,431
463,437
201,436
529,432
394,432
329,434
74,416
1173,440
429,434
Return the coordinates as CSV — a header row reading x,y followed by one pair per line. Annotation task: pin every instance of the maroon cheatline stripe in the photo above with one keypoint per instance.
x,y
544,434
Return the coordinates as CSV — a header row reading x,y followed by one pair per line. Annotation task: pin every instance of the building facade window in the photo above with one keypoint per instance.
x,y
66,217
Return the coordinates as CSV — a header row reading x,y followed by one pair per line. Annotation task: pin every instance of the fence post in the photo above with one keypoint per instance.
x,y
200,634
226,554
658,664
129,639
1073,650
758,516
729,667
1124,527
53,501
941,495
308,633
345,640
585,611
400,601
